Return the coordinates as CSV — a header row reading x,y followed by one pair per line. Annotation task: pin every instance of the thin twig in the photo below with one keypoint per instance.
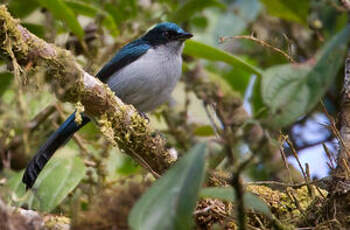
x,y
310,189
211,119
238,186
329,156
335,130
284,158
282,184
296,202
260,42
347,169
295,154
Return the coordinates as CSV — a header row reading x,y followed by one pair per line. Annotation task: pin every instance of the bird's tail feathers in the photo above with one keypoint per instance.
x,y
61,136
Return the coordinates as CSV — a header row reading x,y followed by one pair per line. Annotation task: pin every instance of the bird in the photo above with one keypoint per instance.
x,y
143,73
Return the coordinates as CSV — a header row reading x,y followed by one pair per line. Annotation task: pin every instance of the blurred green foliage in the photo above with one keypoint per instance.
x,y
276,94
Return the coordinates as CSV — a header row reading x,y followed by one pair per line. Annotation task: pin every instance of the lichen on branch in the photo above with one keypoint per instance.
x,y
120,123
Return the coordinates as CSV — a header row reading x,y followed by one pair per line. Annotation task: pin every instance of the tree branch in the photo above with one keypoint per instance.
x,y
121,124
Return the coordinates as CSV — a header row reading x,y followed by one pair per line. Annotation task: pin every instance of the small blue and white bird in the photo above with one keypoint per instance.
x,y
143,73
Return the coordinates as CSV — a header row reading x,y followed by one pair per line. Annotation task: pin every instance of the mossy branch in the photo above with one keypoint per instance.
x,y
120,123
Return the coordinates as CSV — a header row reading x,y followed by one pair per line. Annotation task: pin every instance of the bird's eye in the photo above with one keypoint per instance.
x,y
166,34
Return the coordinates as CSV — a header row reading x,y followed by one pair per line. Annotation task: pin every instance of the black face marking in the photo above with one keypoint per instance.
x,y
164,33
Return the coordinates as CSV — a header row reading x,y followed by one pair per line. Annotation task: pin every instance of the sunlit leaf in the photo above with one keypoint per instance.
x,y
60,10
169,203
228,194
201,50
204,131
292,10
292,90
5,81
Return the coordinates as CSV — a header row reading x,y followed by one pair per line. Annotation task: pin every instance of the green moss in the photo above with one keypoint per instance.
x,y
106,128
283,205
11,40
79,109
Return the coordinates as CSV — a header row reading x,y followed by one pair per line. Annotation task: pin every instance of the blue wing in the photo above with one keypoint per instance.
x,y
125,56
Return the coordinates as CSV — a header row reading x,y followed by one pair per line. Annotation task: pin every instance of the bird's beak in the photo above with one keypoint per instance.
x,y
184,36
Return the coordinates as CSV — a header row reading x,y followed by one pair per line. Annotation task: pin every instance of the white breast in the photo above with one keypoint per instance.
x,y
148,82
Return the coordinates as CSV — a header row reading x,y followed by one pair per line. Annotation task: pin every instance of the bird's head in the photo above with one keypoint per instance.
x,y
166,32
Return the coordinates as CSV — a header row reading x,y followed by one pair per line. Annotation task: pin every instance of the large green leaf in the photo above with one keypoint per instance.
x,y
59,177
292,10
228,194
60,10
5,81
169,203
201,50
190,7
292,90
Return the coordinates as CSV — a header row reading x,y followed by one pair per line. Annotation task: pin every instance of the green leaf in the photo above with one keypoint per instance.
x,y
60,10
292,10
251,201
128,166
58,178
238,80
5,81
256,100
190,7
204,131
110,24
84,8
292,90
122,11
201,50
21,9
15,185
169,203
36,29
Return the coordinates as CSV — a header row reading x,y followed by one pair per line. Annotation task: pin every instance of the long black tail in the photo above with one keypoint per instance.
x,y
57,139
